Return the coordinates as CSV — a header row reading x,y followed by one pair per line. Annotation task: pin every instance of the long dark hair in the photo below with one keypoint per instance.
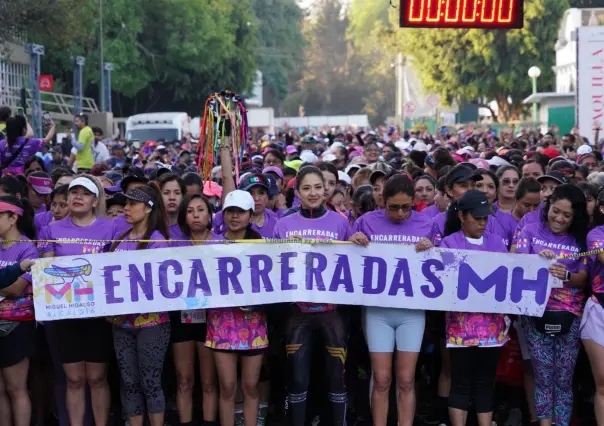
x,y
25,223
13,186
483,172
452,222
398,184
15,126
171,177
580,223
182,212
157,221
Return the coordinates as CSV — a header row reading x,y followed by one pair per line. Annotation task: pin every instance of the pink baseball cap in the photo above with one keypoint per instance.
x,y
42,185
480,163
275,170
212,189
291,149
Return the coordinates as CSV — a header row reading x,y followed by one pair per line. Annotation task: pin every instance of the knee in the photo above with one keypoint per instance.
x,y
208,386
16,389
600,389
184,383
96,381
250,388
405,385
75,381
381,382
228,390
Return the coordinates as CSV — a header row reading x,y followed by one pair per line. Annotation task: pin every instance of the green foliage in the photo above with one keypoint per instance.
x,y
280,40
168,54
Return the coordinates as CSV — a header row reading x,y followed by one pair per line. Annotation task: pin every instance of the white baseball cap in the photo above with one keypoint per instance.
x,y
86,183
240,199
308,157
329,157
584,149
343,177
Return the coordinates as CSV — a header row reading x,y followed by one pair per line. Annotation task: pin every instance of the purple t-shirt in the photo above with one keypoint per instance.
x,y
330,226
528,219
476,329
17,166
121,225
213,237
176,232
438,228
538,237
71,239
19,308
377,227
266,231
595,241
505,226
42,219
431,211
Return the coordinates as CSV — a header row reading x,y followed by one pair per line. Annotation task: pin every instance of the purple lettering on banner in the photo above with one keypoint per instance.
x,y
432,279
382,269
286,270
163,279
137,281
198,280
498,279
402,271
259,273
520,284
111,284
342,275
224,275
314,273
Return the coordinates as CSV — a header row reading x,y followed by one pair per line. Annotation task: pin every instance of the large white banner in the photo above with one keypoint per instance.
x,y
222,275
590,80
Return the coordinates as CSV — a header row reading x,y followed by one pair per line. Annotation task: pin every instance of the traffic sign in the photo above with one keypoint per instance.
x,y
46,82
433,101
409,108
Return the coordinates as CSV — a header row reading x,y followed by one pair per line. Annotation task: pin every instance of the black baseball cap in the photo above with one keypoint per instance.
x,y
249,181
133,176
461,173
475,202
559,177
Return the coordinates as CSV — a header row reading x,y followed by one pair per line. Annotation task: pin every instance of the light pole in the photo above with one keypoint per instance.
x,y
101,60
534,72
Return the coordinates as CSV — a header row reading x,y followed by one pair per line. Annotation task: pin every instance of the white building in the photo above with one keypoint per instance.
x,y
559,107
14,74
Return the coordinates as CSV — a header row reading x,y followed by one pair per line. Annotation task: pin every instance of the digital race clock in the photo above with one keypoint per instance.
x,y
501,14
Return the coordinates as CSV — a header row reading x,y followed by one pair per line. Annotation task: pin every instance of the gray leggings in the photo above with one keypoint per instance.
x,y
140,355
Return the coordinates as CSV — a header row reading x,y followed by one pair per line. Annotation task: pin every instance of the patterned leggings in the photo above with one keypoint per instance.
x,y
140,355
554,359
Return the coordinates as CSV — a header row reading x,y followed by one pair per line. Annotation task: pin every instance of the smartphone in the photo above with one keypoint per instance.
x,y
136,144
46,118
20,111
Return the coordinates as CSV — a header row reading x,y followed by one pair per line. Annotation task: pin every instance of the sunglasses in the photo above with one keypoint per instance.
x,y
396,207
510,181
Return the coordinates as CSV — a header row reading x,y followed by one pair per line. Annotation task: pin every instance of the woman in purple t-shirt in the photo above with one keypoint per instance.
x,y
474,339
82,346
508,176
189,327
172,190
16,310
11,160
238,333
314,221
592,323
141,340
554,339
387,327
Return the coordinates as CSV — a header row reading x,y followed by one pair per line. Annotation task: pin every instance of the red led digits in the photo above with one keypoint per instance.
x,y
461,13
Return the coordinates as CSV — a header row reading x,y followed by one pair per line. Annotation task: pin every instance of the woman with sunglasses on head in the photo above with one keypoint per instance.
x,y
385,327
473,339
172,190
592,323
508,176
17,322
189,327
82,346
238,333
314,221
554,339
141,340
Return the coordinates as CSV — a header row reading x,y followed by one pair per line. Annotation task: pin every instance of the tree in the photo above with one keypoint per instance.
x,y
280,42
486,65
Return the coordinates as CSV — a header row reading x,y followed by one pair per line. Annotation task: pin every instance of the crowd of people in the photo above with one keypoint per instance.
x,y
525,193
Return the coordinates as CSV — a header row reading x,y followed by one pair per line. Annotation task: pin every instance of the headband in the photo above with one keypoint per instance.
x,y
8,207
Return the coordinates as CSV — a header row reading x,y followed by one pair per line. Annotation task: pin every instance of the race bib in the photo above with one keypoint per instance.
x,y
197,316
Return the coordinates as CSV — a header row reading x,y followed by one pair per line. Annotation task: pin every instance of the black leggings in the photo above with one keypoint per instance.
x,y
300,333
473,368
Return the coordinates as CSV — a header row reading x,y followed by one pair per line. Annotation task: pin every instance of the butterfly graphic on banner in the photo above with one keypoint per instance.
x,y
73,285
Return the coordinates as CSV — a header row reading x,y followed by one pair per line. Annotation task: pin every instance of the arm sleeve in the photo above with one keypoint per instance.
x,y
9,275
78,146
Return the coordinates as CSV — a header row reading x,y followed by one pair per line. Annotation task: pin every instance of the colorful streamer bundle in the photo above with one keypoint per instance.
x,y
218,109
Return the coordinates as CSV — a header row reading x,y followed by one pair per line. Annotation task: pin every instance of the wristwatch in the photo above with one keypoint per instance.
x,y
567,277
